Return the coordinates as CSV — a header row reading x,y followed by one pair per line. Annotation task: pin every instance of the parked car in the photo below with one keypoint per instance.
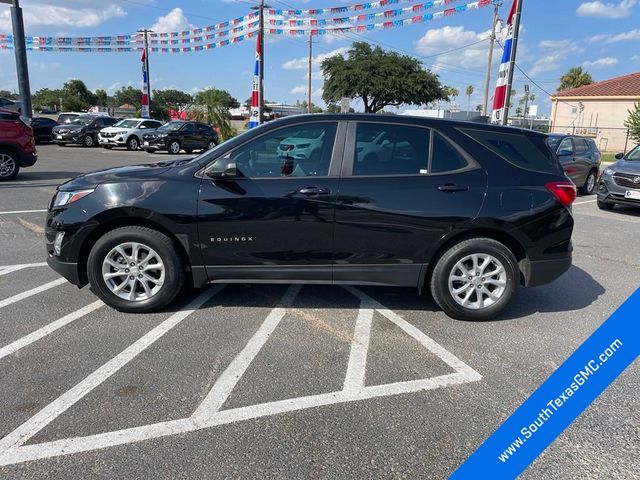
x,y
47,111
127,133
8,104
67,117
179,135
475,212
82,130
580,159
17,144
620,182
43,129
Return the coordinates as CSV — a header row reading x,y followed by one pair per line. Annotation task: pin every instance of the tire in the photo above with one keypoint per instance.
x,y
133,143
88,141
503,284
163,282
9,165
589,187
605,205
174,147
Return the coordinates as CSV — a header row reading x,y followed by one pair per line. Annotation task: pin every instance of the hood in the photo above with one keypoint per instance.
x,y
116,129
627,166
117,174
298,141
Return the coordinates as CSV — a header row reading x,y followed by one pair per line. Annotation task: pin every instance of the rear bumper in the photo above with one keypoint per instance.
x,y
541,272
67,269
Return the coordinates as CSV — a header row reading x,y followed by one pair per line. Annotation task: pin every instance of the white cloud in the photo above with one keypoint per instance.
x,y
59,16
448,38
298,90
302,63
174,21
601,63
599,9
615,38
554,55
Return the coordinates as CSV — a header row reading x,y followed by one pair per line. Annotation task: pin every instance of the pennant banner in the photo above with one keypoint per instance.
x,y
500,94
351,8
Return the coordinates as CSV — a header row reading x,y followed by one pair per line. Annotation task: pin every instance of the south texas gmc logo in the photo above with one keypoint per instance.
x,y
231,239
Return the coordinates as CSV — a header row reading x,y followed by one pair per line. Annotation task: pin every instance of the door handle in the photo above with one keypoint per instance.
x,y
314,191
450,187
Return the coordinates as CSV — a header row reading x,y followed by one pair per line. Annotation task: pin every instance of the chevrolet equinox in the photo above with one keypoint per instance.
x,y
465,211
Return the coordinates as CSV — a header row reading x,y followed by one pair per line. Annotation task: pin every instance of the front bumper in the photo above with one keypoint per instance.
x,y
117,141
28,159
541,272
610,192
68,270
62,139
154,144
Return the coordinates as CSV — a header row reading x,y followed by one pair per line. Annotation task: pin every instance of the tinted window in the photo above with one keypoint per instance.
x,y
300,151
109,121
444,156
580,145
188,127
525,151
566,144
150,124
390,149
203,128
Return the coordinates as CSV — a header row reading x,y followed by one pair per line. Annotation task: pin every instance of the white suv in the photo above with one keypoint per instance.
x,y
126,133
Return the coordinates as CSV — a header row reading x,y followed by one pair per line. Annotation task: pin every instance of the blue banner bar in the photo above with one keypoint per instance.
x,y
560,399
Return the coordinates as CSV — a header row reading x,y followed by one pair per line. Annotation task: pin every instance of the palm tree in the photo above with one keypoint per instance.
x,y
213,109
469,92
453,94
574,78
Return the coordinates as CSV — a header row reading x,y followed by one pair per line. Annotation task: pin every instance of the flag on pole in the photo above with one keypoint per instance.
x,y
500,94
145,86
254,117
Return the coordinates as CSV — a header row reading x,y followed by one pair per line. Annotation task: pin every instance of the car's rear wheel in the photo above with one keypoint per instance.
x,y
174,147
475,279
88,141
9,166
135,269
589,187
605,205
133,143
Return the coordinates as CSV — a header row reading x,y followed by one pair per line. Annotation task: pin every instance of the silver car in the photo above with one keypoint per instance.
x,y
620,183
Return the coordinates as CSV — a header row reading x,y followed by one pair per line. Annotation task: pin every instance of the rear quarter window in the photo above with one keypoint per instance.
x,y
524,151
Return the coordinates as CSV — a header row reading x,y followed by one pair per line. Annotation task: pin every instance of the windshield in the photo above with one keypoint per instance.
x,y
171,126
633,155
127,123
81,121
66,117
553,142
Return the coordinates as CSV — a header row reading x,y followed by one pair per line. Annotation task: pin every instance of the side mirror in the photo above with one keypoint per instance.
x,y
224,170
618,156
564,153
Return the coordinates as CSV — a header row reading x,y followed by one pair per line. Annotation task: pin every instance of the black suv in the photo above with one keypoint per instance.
x,y
580,159
82,130
178,135
466,211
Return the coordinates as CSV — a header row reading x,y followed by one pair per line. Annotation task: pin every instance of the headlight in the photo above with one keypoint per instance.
x,y
65,198
609,171
120,133
162,135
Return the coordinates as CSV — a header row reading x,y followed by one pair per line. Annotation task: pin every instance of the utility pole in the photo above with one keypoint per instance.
x,y
512,60
146,84
260,9
492,40
526,105
22,68
309,73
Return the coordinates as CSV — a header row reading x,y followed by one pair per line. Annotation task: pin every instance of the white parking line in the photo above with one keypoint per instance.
x,y
30,293
52,411
6,269
208,414
14,212
47,329
586,201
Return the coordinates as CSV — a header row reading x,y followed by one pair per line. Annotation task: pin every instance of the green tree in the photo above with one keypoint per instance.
x,y
129,95
314,108
479,108
9,95
172,99
379,78
469,92
212,106
46,97
223,97
574,78
73,104
633,122
101,97
78,90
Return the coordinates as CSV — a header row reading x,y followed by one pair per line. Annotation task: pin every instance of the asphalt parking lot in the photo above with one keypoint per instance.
x,y
277,381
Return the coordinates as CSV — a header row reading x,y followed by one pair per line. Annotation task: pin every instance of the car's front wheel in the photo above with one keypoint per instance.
x,y
475,279
135,269
133,143
211,145
88,141
9,166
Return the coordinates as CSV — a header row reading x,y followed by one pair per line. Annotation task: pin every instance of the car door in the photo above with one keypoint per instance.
x,y
188,136
397,200
582,160
275,220
566,156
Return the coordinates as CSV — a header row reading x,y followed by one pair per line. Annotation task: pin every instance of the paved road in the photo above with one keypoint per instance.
x,y
271,381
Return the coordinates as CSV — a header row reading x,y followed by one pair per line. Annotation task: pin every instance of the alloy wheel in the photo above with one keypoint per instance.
x,y
133,271
7,165
477,281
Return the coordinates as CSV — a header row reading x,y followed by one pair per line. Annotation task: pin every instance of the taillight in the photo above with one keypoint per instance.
x,y
565,192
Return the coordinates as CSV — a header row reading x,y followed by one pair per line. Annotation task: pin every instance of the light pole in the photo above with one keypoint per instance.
x,y
492,40
146,108
22,69
260,9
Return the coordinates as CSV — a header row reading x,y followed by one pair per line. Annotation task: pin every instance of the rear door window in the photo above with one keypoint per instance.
x,y
445,157
525,151
581,146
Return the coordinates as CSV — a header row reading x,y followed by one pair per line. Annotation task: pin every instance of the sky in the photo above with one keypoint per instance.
x,y
601,36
